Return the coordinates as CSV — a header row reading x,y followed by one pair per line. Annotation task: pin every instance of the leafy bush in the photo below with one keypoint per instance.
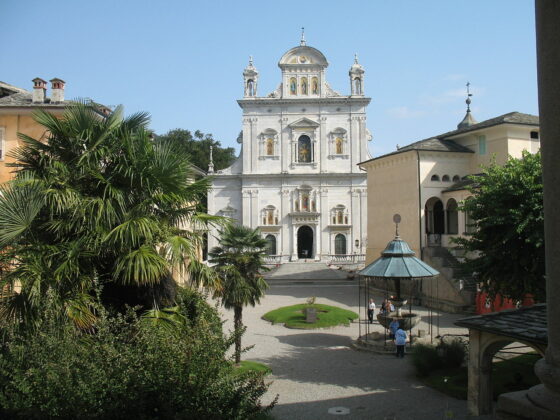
x,y
425,359
126,369
452,353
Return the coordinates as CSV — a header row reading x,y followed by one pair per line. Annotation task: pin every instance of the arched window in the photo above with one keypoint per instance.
x,y
357,86
250,87
293,86
338,146
315,86
445,178
304,149
435,178
270,147
340,244
456,178
304,86
270,244
452,217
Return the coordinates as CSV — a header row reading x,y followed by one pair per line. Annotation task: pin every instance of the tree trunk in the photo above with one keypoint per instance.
x,y
237,324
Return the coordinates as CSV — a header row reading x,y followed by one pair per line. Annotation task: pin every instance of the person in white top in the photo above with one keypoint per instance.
x,y
371,310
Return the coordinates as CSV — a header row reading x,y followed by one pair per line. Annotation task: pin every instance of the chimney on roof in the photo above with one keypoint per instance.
x,y
57,86
39,90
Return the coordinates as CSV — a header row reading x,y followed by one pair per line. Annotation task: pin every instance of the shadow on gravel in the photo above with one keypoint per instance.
x,y
321,358
302,290
394,404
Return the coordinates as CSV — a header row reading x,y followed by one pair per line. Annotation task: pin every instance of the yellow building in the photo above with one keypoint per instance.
x,y
425,181
16,115
16,109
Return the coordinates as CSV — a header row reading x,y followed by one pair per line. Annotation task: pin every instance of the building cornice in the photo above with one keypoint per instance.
x,y
336,100
323,175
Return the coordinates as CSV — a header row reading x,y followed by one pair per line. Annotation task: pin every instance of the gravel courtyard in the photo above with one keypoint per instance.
x,y
318,376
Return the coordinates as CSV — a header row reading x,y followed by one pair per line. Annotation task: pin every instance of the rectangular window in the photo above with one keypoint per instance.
x,y
482,145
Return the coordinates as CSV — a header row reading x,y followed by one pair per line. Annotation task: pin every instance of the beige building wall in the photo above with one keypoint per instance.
x,y
392,188
13,122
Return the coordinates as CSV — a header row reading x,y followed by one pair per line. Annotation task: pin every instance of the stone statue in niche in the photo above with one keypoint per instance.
x,y
269,147
305,202
304,86
293,86
338,143
315,86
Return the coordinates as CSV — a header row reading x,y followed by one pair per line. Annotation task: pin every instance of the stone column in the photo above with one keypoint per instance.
x,y
285,145
480,367
294,242
255,214
354,219
548,64
285,236
246,145
323,145
246,207
543,401
324,221
253,144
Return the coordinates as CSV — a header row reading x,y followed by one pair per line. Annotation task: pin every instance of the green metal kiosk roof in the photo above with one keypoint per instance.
x,y
398,261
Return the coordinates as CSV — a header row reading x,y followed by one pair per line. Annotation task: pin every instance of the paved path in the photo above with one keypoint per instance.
x,y
314,371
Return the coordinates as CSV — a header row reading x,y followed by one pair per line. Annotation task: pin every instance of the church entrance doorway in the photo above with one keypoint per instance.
x,y
305,242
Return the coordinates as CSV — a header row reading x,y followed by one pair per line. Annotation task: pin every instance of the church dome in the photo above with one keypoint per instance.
x,y
303,55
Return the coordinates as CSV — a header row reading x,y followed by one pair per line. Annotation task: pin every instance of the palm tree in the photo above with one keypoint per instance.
x,y
239,262
97,202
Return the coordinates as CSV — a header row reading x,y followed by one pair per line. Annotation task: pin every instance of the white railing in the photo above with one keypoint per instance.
x,y
273,259
347,258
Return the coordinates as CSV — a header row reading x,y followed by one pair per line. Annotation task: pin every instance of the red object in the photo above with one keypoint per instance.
x,y
486,305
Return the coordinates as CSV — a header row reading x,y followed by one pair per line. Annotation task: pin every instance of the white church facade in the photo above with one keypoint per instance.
x,y
297,177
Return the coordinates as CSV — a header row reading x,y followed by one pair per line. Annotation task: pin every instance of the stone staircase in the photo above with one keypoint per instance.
x,y
305,271
459,287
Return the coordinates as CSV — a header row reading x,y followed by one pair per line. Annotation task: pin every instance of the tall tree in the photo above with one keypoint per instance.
x,y
239,262
197,146
506,248
97,202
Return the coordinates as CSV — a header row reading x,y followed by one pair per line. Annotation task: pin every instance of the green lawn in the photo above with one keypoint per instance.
x,y
510,375
294,316
247,365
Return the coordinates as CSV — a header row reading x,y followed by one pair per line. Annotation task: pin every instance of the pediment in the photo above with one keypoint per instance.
x,y
303,123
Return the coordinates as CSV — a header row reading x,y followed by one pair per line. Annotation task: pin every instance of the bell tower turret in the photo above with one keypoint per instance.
x,y
356,74
250,79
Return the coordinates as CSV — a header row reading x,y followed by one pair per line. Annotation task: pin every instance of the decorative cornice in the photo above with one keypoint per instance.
x,y
343,100
337,176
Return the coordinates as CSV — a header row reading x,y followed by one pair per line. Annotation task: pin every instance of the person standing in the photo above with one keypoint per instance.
x,y
393,327
371,310
400,341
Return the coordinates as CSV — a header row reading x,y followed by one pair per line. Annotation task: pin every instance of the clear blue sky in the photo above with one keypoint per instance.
x,y
182,60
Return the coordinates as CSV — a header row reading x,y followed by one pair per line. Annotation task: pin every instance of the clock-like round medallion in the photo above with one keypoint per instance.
x,y
302,59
